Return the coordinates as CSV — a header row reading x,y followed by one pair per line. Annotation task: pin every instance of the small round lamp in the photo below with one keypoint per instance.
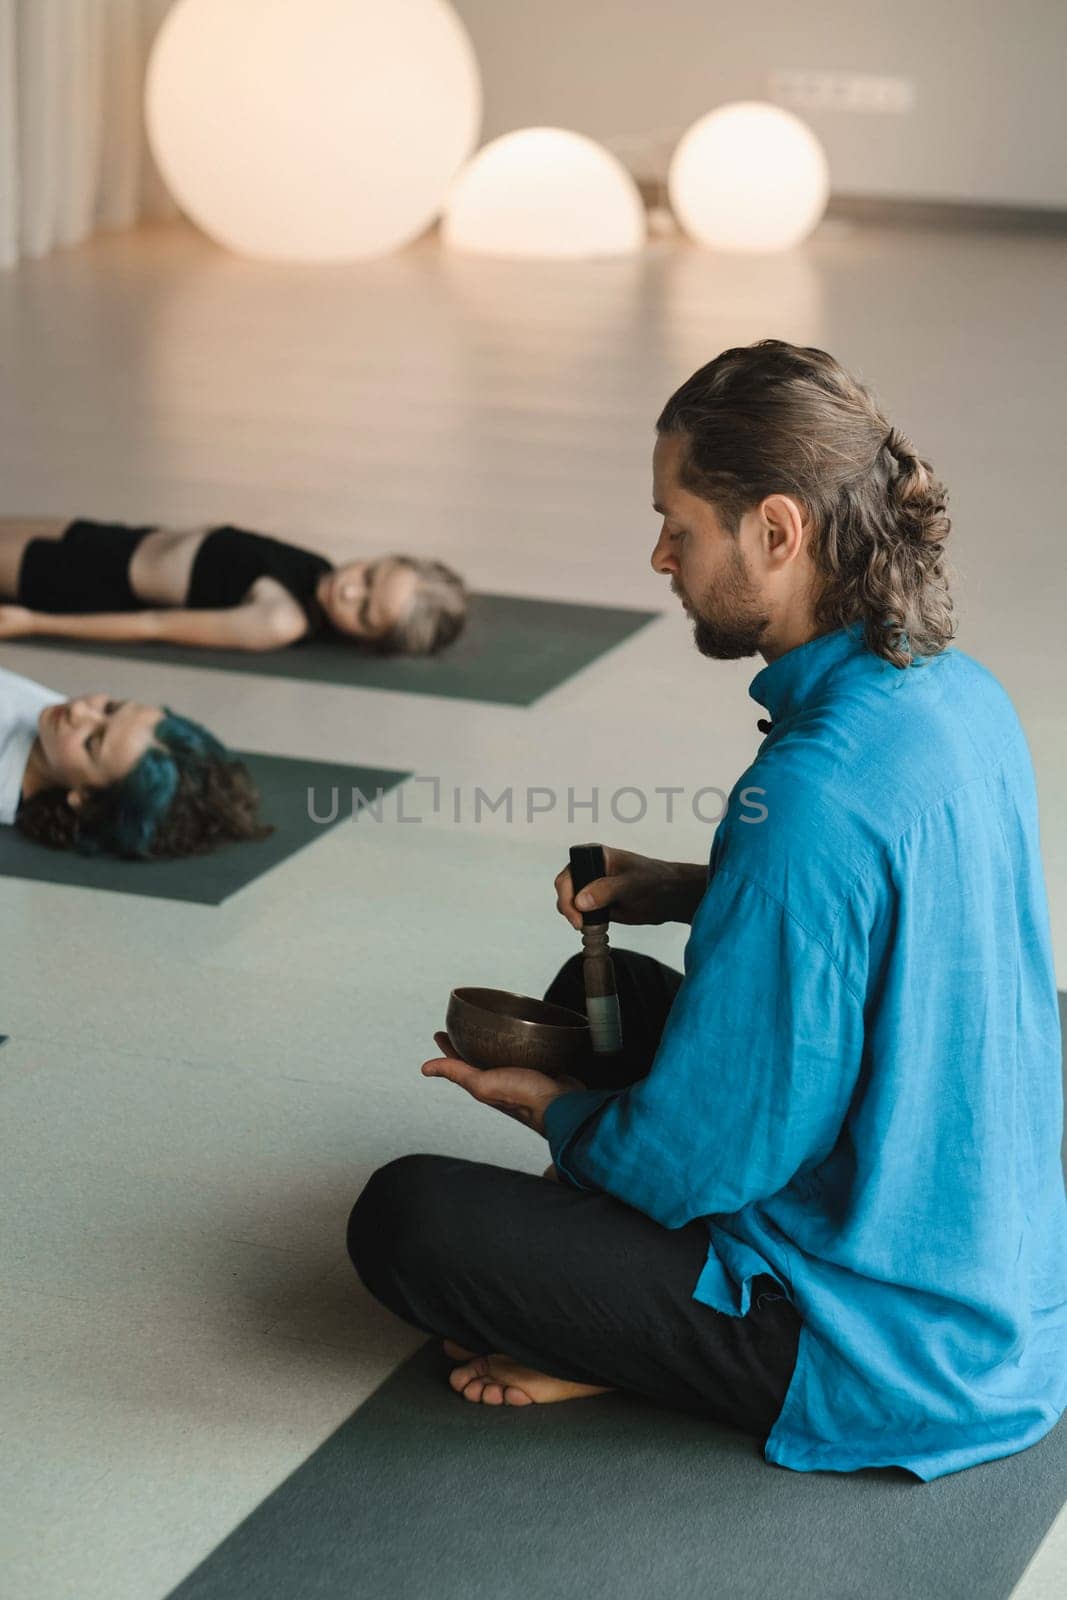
x,y
749,177
544,192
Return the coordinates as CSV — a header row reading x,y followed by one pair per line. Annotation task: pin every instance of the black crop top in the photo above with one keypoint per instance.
x,y
231,559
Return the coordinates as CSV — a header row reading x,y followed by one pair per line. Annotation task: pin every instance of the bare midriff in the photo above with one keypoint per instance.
x,y
162,564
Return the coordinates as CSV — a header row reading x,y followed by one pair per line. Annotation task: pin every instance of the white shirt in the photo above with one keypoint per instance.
x,y
21,702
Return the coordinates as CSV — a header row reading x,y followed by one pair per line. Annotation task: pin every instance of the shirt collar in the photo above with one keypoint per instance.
x,y
785,685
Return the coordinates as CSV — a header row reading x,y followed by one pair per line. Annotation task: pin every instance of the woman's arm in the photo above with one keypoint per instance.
x,y
246,627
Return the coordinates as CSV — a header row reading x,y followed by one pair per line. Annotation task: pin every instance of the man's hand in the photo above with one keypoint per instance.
x,y
638,889
517,1091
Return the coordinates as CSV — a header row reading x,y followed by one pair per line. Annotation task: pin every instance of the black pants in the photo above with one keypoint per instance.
x,y
573,1283
86,570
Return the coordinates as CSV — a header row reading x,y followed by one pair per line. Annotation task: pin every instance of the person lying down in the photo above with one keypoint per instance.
x,y
104,775
222,588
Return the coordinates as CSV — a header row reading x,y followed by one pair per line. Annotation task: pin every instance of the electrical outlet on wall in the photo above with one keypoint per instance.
x,y
841,91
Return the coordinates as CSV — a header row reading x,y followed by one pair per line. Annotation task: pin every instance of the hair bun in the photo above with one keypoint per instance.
x,y
919,499
900,452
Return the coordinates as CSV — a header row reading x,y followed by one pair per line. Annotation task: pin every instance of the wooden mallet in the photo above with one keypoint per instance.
x,y
601,1000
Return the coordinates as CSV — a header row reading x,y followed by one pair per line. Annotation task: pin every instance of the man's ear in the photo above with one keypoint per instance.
x,y
75,799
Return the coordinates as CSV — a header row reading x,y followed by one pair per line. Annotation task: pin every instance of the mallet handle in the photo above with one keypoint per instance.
x,y
601,1000
587,864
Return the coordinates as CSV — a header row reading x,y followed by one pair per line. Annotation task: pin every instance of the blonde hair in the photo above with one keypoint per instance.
x,y
437,615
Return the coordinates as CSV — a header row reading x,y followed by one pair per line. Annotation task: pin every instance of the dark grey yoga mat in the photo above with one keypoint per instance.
x,y
284,783
511,652
421,1495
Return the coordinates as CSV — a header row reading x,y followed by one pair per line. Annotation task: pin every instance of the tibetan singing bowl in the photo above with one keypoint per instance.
x,y
492,1028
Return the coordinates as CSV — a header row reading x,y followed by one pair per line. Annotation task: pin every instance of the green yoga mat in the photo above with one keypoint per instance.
x,y
284,784
423,1496
511,652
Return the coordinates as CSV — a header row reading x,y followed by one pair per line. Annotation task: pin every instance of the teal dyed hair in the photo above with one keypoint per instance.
x,y
186,796
141,800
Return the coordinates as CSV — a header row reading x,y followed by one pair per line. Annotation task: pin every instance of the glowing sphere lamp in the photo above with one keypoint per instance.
x,y
312,130
544,192
749,177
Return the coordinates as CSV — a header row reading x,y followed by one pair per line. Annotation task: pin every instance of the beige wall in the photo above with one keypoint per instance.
x,y
989,122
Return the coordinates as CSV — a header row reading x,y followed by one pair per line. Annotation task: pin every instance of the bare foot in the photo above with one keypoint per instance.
x,y
498,1380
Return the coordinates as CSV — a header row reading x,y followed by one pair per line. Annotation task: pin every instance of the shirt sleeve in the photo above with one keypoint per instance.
x,y
751,1081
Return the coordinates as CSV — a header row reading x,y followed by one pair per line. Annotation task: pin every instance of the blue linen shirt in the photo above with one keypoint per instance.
x,y
859,1085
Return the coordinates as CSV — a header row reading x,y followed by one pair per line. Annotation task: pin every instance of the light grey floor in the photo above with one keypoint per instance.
x,y
192,1097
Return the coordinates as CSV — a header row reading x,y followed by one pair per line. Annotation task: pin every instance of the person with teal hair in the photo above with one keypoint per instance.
x,y
103,775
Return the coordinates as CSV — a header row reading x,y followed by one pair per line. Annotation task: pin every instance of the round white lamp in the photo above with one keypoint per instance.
x,y
544,192
749,177
312,130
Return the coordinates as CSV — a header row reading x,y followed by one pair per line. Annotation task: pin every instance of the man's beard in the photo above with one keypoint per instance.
x,y
729,623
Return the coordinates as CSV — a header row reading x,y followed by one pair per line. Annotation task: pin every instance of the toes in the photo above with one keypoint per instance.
x,y
475,1382
478,1388
478,1367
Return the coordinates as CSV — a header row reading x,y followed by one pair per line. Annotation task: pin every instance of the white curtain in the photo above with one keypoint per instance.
x,y
73,154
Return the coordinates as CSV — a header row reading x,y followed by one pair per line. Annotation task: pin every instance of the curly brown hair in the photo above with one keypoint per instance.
x,y
777,418
214,802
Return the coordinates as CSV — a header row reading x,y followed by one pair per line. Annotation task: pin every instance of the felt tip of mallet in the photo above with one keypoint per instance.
x,y
605,1023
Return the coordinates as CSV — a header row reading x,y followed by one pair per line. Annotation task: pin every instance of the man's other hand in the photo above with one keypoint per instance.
x,y
517,1091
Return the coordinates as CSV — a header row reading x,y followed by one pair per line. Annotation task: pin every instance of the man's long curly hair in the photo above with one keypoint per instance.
x,y
186,796
776,418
